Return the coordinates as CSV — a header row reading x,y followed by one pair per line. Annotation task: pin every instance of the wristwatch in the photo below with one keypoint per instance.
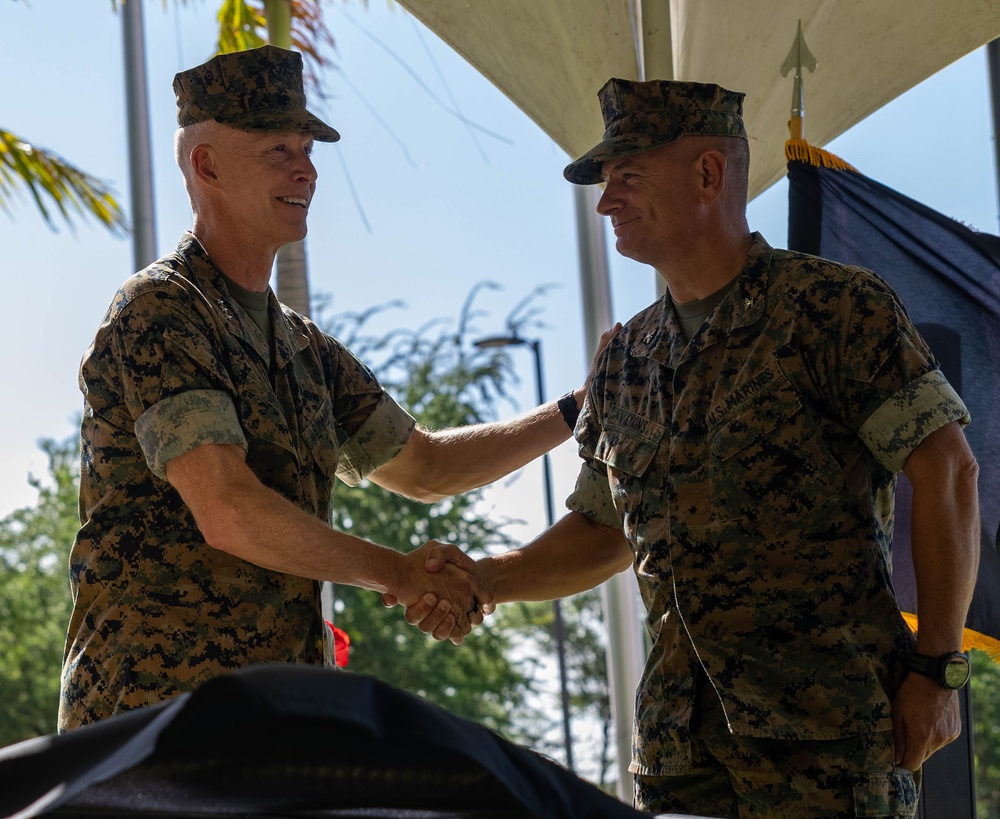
x,y
950,670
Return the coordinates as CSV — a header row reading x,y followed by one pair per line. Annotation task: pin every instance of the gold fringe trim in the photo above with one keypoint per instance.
x,y
970,639
798,150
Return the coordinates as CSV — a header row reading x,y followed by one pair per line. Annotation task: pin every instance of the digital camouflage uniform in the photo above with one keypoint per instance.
x,y
752,472
177,364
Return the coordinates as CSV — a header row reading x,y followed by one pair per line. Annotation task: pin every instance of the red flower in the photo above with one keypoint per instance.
x,y
341,645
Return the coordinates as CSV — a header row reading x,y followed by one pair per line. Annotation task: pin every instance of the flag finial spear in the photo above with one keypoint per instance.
x,y
800,56
796,148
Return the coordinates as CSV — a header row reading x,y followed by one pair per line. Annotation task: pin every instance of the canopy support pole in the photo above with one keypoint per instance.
x,y
993,61
626,650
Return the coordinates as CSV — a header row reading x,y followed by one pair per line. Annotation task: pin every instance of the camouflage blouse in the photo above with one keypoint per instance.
x,y
752,471
175,364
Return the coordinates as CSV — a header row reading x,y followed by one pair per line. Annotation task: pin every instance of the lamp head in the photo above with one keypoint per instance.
x,y
499,341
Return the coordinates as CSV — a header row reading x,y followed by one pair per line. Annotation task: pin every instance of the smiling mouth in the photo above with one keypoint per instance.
x,y
617,225
297,201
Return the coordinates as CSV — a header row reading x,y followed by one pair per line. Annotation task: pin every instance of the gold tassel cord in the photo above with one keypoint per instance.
x,y
970,639
798,150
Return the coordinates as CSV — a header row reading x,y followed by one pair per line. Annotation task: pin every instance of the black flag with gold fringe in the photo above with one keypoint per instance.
x,y
948,278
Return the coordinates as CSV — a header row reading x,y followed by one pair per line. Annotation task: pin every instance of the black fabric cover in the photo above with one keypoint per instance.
x,y
281,740
948,278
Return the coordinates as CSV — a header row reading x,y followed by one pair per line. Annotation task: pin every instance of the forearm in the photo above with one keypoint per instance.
x,y
237,514
945,552
438,464
259,525
574,555
470,457
944,542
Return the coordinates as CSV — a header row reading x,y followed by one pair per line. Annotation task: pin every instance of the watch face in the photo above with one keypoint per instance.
x,y
957,672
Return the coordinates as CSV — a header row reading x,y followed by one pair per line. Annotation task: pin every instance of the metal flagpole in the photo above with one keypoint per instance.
x,y
559,624
139,150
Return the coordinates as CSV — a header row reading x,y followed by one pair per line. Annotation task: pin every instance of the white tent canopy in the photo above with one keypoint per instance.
x,y
551,56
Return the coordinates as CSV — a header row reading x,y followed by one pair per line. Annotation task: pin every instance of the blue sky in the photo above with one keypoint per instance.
x,y
435,208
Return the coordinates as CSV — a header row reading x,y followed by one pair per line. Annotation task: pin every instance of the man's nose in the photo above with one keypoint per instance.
x,y
305,169
609,202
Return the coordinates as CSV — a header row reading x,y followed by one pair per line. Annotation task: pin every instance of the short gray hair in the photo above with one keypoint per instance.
x,y
186,138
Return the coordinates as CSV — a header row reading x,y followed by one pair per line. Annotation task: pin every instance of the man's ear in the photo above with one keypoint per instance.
x,y
205,164
711,175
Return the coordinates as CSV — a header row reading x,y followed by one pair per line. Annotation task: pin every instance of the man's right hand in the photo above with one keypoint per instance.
x,y
442,595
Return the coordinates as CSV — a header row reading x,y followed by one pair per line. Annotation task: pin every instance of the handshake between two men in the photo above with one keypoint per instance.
x,y
574,555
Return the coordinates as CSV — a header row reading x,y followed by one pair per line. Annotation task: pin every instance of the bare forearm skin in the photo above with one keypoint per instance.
x,y
438,464
575,555
237,514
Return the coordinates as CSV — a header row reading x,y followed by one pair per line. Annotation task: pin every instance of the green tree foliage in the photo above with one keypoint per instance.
x,y
496,676
34,597
986,722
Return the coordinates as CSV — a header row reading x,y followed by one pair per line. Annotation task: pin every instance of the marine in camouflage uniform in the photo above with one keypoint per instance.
x,y
752,472
216,421
177,363
743,445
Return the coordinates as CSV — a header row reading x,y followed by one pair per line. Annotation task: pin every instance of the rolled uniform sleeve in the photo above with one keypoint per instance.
x,y
370,428
175,385
893,431
377,441
185,421
892,390
592,497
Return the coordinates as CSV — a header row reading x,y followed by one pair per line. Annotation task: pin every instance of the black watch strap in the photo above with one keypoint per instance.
x,y
951,670
569,410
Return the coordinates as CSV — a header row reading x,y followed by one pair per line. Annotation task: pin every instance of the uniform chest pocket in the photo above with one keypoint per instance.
x,y
774,464
628,442
319,439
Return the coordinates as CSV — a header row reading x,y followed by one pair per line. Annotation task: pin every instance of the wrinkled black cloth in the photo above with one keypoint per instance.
x,y
285,740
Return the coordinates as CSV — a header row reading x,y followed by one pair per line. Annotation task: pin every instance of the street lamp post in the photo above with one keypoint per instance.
x,y
557,617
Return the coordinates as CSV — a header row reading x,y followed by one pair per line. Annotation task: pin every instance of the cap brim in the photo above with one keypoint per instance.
x,y
284,120
587,169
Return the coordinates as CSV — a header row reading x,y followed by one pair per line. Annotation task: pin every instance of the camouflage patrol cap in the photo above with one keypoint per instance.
x,y
640,116
256,90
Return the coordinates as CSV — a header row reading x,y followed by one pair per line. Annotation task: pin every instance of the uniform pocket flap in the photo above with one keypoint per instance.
x,y
628,442
755,419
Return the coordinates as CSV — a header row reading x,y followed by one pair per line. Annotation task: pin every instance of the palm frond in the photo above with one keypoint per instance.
x,y
243,25
53,181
